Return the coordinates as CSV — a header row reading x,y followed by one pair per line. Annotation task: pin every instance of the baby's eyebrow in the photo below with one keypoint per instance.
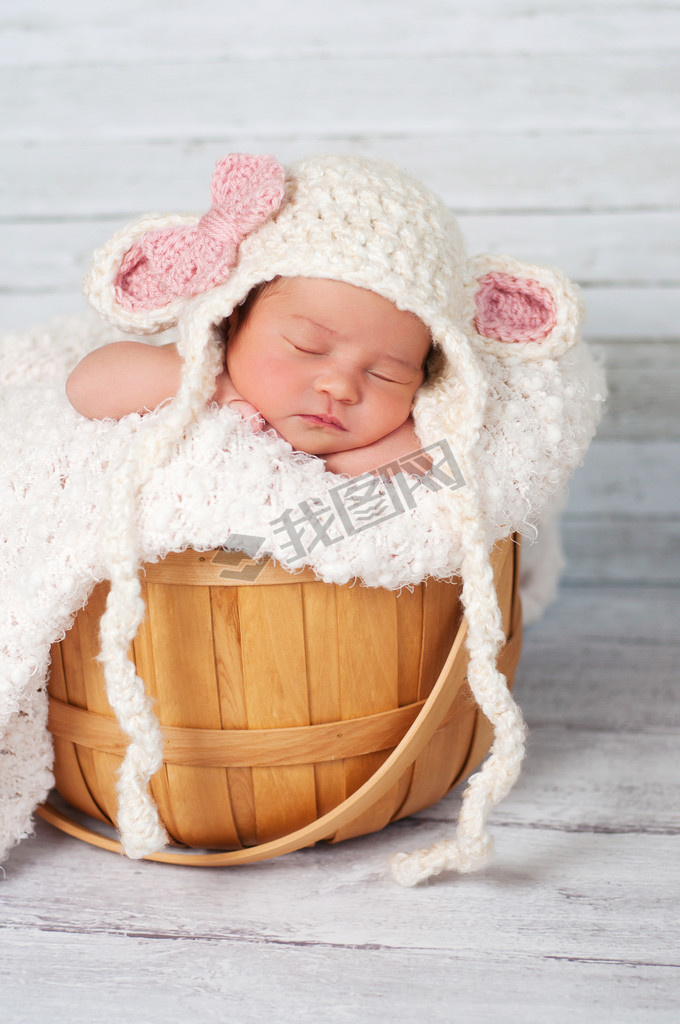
x,y
330,330
314,323
401,362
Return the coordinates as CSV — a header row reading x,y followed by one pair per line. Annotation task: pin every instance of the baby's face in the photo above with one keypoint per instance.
x,y
330,366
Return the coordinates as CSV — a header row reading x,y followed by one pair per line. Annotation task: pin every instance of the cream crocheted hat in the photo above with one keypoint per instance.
x,y
367,223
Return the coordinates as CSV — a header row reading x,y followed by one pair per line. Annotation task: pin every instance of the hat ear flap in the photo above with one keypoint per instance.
x,y
519,308
118,284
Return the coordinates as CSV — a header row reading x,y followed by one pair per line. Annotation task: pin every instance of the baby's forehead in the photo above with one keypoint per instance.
x,y
305,297
327,312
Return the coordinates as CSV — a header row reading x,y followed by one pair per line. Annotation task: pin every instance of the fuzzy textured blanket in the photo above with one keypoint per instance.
x,y
223,480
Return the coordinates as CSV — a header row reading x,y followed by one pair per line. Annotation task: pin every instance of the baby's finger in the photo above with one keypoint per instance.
x,y
257,422
247,412
272,430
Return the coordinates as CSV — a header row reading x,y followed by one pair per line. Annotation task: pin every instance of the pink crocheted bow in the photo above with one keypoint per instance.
x,y
170,262
513,309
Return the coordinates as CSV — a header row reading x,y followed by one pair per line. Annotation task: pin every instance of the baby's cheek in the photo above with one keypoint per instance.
x,y
391,413
250,379
277,393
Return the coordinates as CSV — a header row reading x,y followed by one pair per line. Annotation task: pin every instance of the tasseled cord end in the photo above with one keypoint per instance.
x,y
472,848
410,869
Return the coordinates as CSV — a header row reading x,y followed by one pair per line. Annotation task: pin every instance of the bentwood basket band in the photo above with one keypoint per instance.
x,y
238,748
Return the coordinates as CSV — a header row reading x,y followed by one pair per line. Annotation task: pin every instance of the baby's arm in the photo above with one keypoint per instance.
x,y
402,441
131,376
123,377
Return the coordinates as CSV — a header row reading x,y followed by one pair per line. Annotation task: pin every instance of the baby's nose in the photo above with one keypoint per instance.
x,y
339,384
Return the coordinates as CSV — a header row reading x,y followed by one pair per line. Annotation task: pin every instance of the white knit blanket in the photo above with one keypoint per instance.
x,y
222,480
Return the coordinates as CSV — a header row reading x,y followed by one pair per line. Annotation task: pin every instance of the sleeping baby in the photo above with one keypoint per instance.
x,y
330,367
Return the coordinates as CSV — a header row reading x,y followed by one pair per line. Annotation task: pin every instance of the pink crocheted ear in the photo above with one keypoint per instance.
x,y
513,309
168,263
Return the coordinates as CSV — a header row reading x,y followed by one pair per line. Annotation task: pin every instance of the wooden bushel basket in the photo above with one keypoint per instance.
x,y
292,710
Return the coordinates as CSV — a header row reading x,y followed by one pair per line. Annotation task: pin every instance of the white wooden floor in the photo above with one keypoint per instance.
x,y
577,918
553,130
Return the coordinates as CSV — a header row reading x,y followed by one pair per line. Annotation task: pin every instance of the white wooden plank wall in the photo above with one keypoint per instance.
x,y
552,128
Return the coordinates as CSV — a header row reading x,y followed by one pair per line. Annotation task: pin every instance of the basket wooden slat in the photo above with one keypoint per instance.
x,y
430,773
368,662
179,628
224,603
272,645
69,778
323,674
277,659
83,687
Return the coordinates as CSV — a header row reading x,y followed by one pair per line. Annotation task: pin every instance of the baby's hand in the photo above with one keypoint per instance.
x,y
226,394
381,453
248,412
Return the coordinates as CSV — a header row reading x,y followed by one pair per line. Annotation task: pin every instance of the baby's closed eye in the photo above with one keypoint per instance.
x,y
373,372
307,351
390,380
